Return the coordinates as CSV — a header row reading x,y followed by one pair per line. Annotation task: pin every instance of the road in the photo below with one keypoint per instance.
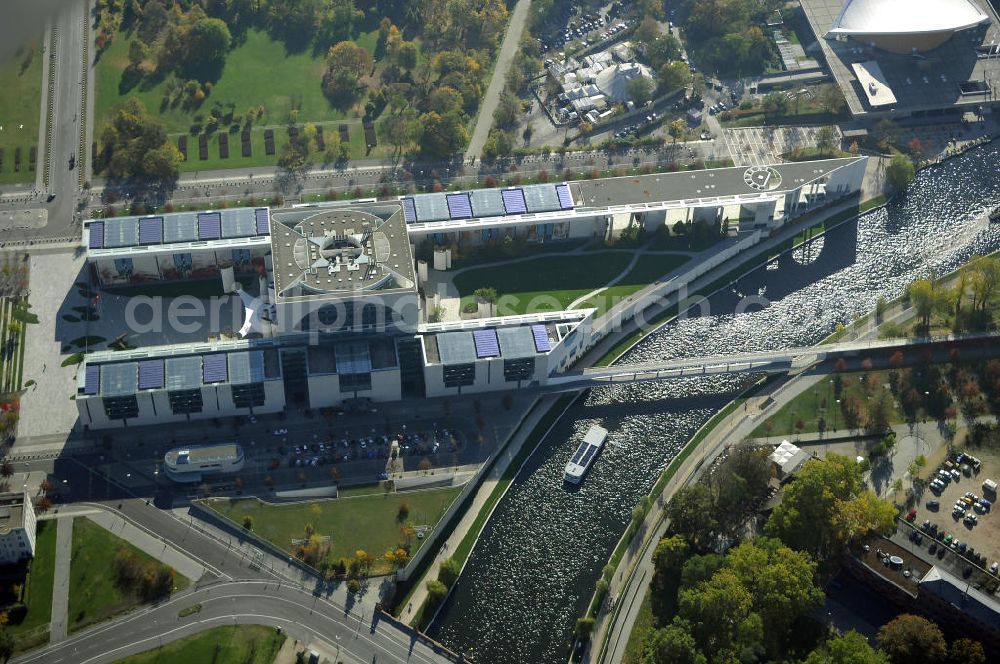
x,y
66,100
302,615
508,51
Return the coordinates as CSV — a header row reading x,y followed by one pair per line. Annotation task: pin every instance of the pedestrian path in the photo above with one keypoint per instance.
x,y
150,544
58,627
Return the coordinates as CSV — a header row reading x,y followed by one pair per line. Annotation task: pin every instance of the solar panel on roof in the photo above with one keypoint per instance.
x,y
409,211
246,367
96,235
541,335
215,369
565,197
486,203
459,206
151,230
431,207
180,228
92,379
238,223
183,373
541,198
263,223
486,342
118,379
150,374
513,201
123,232
209,226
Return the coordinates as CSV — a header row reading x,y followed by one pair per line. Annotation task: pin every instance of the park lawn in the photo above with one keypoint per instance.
x,y
34,629
641,629
94,593
258,72
231,644
548,283
20,104
647,269
366,522
820,401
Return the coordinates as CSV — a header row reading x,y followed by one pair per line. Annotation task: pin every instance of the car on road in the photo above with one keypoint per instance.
x,y
995,567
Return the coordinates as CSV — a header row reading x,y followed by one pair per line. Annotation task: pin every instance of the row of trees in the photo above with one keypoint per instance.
x,y
969,304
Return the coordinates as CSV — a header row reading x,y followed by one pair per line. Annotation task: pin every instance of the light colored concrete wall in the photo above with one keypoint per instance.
x,y
324,391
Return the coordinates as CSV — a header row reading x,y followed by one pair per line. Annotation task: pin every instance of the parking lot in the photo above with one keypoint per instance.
x,y
977,526
572,25
757,146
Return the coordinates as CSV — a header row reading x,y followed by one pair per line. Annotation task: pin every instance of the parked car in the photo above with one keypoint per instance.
x,y
280,432
933,505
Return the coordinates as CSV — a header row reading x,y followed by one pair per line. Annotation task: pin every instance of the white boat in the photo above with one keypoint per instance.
x,y
585,454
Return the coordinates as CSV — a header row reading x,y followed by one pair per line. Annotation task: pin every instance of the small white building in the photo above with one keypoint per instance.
x,y
17,528
787,459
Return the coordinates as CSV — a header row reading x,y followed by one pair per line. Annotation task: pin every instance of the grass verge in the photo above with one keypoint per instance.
x,y
236,644
20,105
34,629
94,591
371,523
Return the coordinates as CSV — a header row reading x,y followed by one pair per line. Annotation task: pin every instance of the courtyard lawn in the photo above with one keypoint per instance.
x,y
647,269
548,283
820,402
94,593
20,104
366,522
236,644
34,629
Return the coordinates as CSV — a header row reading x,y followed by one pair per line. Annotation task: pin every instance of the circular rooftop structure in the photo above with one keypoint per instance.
x,y
762,178
902,26
334,251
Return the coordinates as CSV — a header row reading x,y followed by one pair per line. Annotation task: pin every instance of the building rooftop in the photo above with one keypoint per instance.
x,y
873,84
954,75
341,251
11,511
981,607
512,338
887,17
182,456
105,236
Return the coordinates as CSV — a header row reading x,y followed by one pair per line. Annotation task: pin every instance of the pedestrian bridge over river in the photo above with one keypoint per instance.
x,y
774,361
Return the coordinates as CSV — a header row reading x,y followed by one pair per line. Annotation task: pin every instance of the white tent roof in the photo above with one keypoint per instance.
x,y
902,17
613,81
788,457
253,310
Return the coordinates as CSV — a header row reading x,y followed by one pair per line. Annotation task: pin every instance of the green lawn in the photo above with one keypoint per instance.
x,y
21,82
94,593
544,284
237,644
821,402
647,269
34,629
258,72
366,522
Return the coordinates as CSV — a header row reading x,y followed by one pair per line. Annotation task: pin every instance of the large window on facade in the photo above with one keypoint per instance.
x,y
246,396
121,408
459,375
185,401
522,369
182,262
124,267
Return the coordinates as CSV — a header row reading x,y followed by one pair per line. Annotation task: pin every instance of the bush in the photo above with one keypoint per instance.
x,y
449,571
436,592
353,586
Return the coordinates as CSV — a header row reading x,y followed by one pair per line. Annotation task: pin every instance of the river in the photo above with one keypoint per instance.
x,y
534,568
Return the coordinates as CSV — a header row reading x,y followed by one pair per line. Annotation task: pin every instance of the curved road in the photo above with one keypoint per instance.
x,y
304,616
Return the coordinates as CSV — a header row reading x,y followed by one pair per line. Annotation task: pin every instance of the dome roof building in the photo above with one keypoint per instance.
x,y
904,26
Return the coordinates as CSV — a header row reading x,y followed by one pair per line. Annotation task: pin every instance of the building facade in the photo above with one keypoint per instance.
x,y
17,528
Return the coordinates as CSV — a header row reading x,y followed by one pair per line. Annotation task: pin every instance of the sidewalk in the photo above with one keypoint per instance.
x,y
58,627
157,548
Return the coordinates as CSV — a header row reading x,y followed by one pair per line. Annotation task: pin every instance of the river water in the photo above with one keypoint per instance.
x,y
534,568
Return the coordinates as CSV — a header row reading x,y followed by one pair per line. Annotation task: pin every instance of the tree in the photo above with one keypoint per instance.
x,y
664,49
966,651
442,135
346,63
672,644
673,76
850,648
6,645
824,140
886,132
448,571
436,592
775,103
692,515
908,638
647,31
922,295
640,90
720,612
6,469
676,129
207,43
900,172
668,560
136,148
824,508
137,52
